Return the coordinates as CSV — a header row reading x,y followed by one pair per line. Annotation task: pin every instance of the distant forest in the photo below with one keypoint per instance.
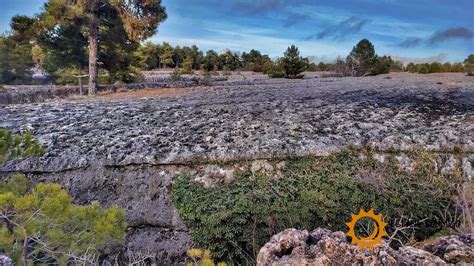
x,y
61,52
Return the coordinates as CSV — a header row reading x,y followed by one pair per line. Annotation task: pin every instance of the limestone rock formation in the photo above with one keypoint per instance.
x,y
5,261
127,151
324,247
452,249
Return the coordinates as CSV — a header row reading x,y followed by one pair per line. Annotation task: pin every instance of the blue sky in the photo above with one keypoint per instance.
x,y
410,29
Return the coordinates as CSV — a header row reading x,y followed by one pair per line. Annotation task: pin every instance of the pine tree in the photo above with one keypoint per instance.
x,y
293,63
469,65
362,58
167,55
44,226
139,18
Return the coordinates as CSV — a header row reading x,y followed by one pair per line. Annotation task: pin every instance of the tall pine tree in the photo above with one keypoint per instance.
x,y
140,19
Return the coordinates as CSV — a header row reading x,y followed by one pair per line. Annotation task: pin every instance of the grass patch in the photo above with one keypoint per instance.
x,y
235,220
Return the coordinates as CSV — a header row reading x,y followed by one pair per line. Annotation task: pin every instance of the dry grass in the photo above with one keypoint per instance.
x,y
136,94
145,93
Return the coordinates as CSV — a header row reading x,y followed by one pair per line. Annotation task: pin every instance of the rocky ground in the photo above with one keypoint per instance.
x,y
126,149
268,119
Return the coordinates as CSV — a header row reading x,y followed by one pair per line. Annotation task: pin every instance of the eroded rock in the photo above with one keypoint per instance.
x,y
323,247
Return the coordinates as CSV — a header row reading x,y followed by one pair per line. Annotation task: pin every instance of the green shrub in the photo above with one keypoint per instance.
x,y
382,65
275,71
44,226
235,220
424,69
322,66
176,75
14,146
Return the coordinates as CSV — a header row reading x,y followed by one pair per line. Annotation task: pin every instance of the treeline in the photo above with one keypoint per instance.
x,y
152,56
364,61
61,51
434,67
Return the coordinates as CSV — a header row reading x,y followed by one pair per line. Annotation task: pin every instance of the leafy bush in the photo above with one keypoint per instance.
x,y
44,226
235,220
13,146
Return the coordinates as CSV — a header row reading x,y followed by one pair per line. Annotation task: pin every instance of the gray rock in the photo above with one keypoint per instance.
x,y
323,247
467,167
5,261
127,151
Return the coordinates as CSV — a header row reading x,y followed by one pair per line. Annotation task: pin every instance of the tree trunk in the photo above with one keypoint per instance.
x,y
93,48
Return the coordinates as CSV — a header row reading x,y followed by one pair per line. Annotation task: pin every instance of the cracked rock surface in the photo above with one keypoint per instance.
x,y
272,118
126,151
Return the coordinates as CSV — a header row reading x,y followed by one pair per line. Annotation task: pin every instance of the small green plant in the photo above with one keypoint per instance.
x,y
200,257
44,226
176,75
14,146
236,219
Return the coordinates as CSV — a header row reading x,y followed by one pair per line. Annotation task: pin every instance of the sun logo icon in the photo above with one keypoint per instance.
x,y
375,238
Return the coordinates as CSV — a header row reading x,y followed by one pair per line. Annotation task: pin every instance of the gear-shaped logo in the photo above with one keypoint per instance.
x,y
375,237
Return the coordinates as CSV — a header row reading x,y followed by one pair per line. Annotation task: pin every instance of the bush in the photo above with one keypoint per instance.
x,y
382,65
322,66
198,257
436,67
176,75
275,71
44,226
256,68
235,220
14,146
424,69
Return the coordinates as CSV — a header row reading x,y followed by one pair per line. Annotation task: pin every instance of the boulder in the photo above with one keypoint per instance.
x,y
324,247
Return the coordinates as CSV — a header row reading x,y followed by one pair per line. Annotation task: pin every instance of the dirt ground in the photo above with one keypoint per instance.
x,y
144,93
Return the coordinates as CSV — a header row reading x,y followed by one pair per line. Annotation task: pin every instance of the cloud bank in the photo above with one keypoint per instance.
x,y
439,37
341,30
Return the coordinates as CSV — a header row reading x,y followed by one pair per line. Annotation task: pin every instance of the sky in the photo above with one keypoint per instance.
x,y
410,30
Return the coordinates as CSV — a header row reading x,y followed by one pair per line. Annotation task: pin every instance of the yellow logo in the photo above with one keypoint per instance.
x,y
375,237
